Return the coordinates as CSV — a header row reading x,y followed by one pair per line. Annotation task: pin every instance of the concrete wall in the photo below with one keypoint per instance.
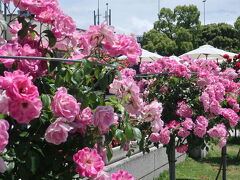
x,y
142,166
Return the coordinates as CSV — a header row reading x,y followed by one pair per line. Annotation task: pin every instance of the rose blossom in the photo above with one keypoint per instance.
x,y
25,111
184,110
157,125
103,118
223,142
4,99
231,116
89,162
3,166
200,131
65,105
152,111
57,132
19,86
183,133
4,126
187,124
102,176
164,136
218,131
85,117
122,175
182,149
154,137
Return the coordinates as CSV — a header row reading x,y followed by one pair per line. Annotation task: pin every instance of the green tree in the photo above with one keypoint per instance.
x,y
187,16
158,42
165,23
237,24
183,40
222,35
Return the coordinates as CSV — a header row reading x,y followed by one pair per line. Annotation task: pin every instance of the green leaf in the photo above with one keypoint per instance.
x,y
129,132
51,37
137,134
24,134
119,134
46,100
109,153
32,35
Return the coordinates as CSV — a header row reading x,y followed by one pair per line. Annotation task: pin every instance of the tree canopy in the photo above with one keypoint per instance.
x,y
178,31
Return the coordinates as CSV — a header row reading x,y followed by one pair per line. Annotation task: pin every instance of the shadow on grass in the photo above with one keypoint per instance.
x,y
185,179
231,160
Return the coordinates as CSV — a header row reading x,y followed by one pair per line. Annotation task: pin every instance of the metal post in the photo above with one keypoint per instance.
x,y
94,14
107,14
204,2
98,13
5,18
224,161
172,158
110,17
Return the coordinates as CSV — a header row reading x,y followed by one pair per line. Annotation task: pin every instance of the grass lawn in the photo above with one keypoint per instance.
x,y
207,168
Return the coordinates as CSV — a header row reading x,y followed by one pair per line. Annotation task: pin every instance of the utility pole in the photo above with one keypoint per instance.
x,y
106,15
204,2
98,14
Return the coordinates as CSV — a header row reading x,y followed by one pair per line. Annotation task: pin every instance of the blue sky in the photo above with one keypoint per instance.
x,y
138,16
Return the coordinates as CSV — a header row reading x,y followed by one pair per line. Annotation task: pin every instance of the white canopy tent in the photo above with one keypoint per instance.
x,y
208,52
146,56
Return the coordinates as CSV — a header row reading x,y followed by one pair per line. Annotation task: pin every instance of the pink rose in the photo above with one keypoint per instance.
x,y
172,124
157,125
184,110
218,131
122,175
19,86
231,116
187,124
223,142
200,131
183,133
57,132
128,73
182,149
102,176
164,136
85,117
152,111
154,137
103,118
25,111
89,162
3,166
202,121
65,105
4,100
215,107
102,151
4,126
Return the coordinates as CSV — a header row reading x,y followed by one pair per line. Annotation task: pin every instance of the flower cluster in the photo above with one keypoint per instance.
x,y
90,164
20,96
